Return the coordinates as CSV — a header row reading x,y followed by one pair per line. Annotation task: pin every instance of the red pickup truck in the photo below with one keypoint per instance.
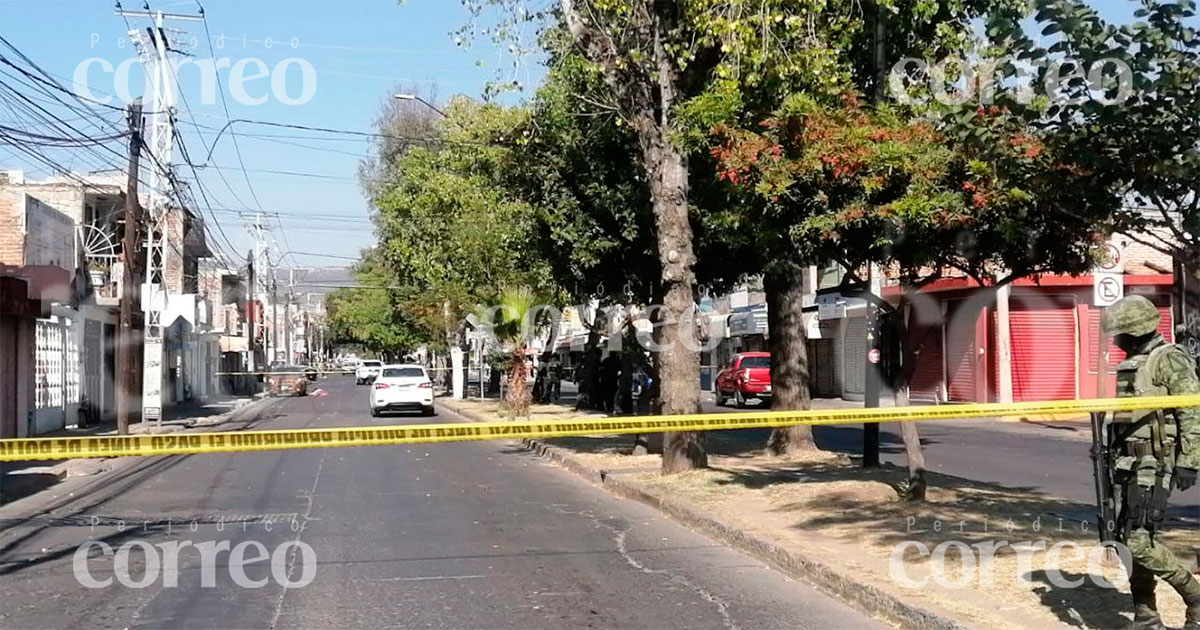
x,y
748,376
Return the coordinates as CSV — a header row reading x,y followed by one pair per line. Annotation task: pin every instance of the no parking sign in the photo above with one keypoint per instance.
x,y
1108,278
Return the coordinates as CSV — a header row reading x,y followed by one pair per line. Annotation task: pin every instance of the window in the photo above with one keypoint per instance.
x,y
756,362
403,372
372,363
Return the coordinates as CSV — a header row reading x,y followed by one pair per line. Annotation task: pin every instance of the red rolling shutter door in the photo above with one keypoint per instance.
x,y
926,341
961,361
1165,327
1043,351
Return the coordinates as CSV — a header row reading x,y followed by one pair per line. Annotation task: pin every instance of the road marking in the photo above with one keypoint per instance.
x,y
425,578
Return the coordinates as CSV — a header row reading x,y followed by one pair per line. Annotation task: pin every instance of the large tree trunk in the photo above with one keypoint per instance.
x,y
647,98
789,357
679,366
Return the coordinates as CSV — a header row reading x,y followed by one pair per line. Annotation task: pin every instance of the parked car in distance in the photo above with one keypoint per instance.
x,y
402,387
310,372
747,376
367,371
286,380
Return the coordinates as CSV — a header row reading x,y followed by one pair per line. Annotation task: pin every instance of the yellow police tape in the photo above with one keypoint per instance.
x,y
240,441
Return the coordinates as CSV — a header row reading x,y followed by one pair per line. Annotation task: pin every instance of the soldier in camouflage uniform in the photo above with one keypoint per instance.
x,y
1152,451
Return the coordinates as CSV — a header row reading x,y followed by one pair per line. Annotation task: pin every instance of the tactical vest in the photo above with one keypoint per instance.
x,y
1144,440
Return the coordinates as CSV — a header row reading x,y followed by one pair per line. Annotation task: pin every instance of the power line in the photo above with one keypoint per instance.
x,y
58,141
296,214
52,120
326,255
183,152
56,86
278,172
59,87
350,132
225,106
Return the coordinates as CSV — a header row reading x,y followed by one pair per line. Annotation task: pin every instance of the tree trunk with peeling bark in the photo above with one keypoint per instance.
x,y
789,357
679,371
647,93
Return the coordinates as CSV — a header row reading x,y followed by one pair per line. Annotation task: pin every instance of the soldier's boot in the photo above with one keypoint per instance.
x,y
1142,588
1145,618
1191,599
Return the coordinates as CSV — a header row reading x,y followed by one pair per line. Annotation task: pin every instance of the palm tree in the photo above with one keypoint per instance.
x,y
514,320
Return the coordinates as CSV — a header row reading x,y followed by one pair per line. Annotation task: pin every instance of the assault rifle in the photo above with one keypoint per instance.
x,y
1106,501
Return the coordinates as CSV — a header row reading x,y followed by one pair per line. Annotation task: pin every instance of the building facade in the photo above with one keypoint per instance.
x,y
63,236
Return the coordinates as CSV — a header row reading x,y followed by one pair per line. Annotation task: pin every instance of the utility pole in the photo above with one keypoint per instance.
x,y
251,315
308,353
287,314
153,46
256,292
274,322
871,385
874,376
125,365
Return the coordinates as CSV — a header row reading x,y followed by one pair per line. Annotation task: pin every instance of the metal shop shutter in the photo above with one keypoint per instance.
x,y
1166,328
961,349
929,372
854,356
1043,350
823,368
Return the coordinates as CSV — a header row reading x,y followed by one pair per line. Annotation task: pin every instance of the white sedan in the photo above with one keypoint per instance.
x,y
402,387
367,371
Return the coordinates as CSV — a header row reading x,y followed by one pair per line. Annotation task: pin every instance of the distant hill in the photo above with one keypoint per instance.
x,y
320,280
314,283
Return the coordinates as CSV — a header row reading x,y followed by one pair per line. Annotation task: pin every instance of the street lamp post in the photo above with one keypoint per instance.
x,y
414,97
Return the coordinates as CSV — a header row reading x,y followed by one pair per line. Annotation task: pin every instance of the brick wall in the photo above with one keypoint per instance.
x,y
173,268
66,198
209,289
1141,259
12,228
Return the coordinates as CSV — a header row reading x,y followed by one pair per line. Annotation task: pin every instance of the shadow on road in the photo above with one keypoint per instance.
x,y
1087,605
114,484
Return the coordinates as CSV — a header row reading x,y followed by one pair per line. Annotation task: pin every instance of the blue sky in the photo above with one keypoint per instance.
x,y
361,50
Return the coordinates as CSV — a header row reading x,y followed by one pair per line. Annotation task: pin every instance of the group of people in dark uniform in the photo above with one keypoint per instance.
x,y
609,383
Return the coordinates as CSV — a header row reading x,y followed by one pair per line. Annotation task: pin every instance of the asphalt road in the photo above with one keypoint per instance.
x,y
1049,458
466,535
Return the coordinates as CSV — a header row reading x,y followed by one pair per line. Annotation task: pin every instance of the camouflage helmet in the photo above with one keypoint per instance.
x,y
1131,315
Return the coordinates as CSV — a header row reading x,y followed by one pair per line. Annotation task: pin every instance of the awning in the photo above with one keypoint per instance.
x,y
752,321
230,343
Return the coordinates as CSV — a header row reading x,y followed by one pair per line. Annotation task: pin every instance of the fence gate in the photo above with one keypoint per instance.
x,y
57,375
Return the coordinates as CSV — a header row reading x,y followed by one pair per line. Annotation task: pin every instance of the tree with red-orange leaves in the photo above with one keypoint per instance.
x,y
862,184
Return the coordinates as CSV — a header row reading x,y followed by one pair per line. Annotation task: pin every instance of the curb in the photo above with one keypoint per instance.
x,y
868,599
